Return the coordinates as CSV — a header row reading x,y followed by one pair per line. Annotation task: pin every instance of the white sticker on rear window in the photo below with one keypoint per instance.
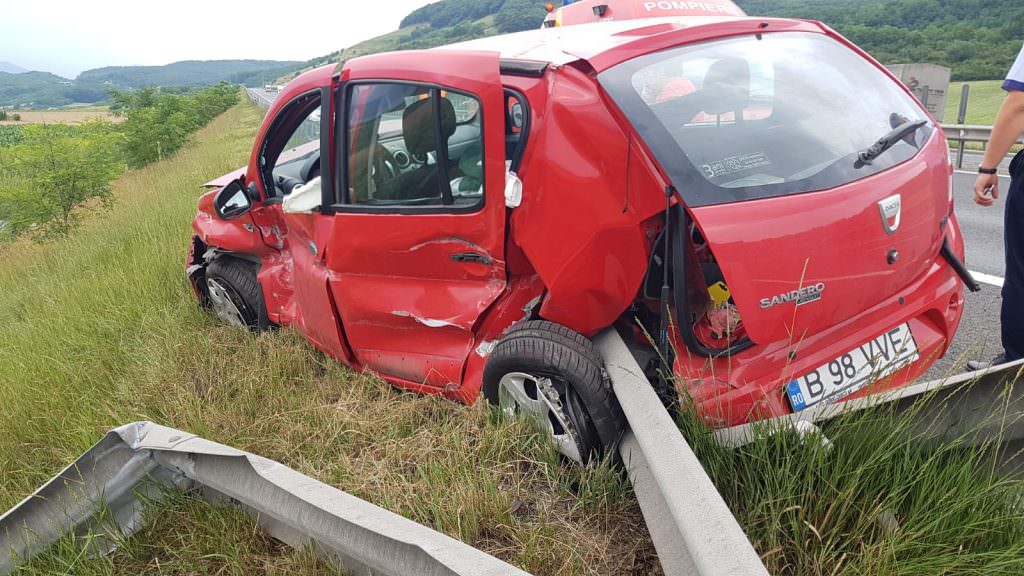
x,y
734,164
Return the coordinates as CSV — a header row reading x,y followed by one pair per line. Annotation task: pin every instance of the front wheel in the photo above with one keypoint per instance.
x,y
234,292
555,377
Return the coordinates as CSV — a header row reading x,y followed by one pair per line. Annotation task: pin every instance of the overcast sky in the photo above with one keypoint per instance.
x,y
68,36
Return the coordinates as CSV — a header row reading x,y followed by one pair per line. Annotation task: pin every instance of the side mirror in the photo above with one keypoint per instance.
x,y
232,201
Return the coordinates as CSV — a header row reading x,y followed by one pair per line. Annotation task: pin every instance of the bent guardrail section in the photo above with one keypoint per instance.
x,y
691,526
137,461
986,406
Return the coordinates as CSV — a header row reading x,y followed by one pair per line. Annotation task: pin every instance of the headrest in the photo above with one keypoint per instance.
x,y
726,87
419,128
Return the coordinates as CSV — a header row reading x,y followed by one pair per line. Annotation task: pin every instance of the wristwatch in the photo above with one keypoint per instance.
x,y
982,170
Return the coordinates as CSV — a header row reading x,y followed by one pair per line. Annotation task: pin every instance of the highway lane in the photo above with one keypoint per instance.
x,y
978,336
262,97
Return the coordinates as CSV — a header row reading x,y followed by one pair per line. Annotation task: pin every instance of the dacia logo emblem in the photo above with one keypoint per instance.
x,y
890,211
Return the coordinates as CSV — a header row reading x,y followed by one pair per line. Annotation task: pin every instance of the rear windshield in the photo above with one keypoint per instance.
x,y
761,116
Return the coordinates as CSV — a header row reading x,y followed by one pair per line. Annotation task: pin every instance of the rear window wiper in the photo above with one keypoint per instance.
x,y
901,131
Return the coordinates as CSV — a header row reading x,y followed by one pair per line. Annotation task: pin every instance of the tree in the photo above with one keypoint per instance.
x,y
55,174
517,15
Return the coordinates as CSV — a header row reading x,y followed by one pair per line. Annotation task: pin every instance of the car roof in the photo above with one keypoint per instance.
x,y
604,44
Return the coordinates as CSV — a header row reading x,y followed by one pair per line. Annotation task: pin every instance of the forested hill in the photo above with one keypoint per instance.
x,y
189,73
978,39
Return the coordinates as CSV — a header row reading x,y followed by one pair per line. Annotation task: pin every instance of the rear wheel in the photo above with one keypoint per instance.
x,y
234,292
555,377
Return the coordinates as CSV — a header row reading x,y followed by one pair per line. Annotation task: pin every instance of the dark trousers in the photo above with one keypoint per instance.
x,y
1012,317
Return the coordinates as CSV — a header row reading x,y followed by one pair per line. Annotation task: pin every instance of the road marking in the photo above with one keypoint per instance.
x,y
969,173
987,278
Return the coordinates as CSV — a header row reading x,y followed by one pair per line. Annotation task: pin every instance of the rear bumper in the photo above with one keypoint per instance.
x,y
751,384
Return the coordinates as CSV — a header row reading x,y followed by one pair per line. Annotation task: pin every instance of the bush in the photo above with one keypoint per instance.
x,y
54,174
16,117
158,123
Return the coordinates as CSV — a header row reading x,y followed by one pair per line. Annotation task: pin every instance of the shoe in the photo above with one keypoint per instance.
x,y
975,365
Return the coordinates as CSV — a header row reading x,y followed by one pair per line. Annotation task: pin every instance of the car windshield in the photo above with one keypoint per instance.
x,y
761,116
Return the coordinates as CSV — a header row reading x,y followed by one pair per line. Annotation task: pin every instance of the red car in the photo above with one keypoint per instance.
x,y
754,201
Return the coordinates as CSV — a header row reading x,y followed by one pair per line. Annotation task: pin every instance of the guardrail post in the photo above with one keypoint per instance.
x,y
961,117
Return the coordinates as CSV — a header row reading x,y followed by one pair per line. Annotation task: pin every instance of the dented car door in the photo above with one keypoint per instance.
x,y
416,252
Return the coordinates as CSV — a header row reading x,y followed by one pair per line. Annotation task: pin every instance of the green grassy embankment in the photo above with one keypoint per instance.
x,y
874,501
982,106
985,98
101,328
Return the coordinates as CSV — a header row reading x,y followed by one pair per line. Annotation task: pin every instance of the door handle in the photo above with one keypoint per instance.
x,y
471,258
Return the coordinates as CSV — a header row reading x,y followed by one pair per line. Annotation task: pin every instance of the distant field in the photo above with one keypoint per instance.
x,y
63,116
982,104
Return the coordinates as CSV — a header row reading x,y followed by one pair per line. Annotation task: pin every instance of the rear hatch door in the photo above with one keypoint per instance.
x,y
797,265
762,136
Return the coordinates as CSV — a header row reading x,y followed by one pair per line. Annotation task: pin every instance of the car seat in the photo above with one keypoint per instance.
x,y
419,130
726,89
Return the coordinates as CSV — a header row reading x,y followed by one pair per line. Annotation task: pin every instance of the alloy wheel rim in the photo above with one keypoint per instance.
x,y
223,306
536,398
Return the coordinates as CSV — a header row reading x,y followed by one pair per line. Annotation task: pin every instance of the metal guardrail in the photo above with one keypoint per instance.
x,y
983,407
136,462
692,528
259,97
969,133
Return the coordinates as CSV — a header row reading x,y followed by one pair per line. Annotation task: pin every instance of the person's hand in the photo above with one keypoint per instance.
x,y
984,182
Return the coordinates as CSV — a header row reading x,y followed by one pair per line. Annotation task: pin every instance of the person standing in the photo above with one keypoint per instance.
x,y
1007,129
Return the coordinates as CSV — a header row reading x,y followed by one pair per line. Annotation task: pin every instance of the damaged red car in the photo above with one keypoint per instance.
x,y
758,206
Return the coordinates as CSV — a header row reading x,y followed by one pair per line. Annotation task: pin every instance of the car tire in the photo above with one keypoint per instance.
x,y
556,377
234,292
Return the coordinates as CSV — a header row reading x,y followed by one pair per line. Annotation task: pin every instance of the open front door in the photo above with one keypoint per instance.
x,y
416,252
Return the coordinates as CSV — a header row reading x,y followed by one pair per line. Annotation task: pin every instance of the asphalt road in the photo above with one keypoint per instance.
x,y
261,96
978,337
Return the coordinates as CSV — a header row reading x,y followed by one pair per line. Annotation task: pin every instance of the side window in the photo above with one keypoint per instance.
x,y
413,145
291,153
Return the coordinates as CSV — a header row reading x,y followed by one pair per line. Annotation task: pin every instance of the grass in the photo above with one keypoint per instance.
x,y
982,105
184,536
101,328
873,502
62,116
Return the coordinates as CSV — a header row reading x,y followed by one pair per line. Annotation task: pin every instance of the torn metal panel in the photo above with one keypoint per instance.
x,y
134,462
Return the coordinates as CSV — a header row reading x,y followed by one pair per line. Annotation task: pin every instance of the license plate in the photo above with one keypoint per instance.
x,y
865,364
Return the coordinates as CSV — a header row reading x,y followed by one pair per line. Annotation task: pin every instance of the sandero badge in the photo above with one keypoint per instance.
x,y
463,220
799,297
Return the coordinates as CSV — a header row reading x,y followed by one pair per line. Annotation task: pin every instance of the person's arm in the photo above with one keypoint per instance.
x,y
1007,129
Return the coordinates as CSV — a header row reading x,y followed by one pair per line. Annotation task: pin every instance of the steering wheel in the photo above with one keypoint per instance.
x,y
310,167
385,172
